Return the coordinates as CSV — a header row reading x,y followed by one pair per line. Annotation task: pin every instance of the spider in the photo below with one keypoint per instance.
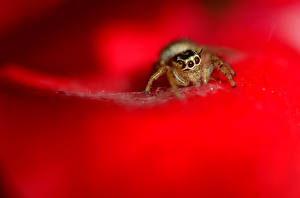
x,y
185,62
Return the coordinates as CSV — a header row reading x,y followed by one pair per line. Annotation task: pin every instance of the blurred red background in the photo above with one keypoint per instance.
x,y
74,123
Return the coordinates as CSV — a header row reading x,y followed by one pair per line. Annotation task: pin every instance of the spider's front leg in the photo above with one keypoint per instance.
x,y
206,72
162,69
225,69
172,81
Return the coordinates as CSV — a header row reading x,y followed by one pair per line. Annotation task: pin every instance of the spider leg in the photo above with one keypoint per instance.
x,y
180,78
229,68
160,71
172,81
206,72
225,69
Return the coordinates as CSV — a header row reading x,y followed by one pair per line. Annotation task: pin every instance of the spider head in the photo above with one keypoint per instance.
x,y
188,60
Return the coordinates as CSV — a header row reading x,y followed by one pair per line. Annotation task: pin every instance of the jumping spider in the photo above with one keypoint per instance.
x,y
184,61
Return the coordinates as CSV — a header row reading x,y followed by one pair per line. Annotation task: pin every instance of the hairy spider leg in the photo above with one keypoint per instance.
x,y
206,73
225,69
229,68
172,81
161,70
179,76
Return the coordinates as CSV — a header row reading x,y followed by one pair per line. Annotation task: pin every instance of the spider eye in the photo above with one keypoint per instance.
x,y
197,60
191,63
181,63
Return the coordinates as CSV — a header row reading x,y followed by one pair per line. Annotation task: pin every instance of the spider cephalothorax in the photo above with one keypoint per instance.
x,y
184,62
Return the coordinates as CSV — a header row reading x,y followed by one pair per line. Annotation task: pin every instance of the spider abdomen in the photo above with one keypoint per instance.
x,y
175,48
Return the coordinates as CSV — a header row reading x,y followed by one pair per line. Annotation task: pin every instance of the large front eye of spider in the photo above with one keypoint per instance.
x,y
197,60
190,63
